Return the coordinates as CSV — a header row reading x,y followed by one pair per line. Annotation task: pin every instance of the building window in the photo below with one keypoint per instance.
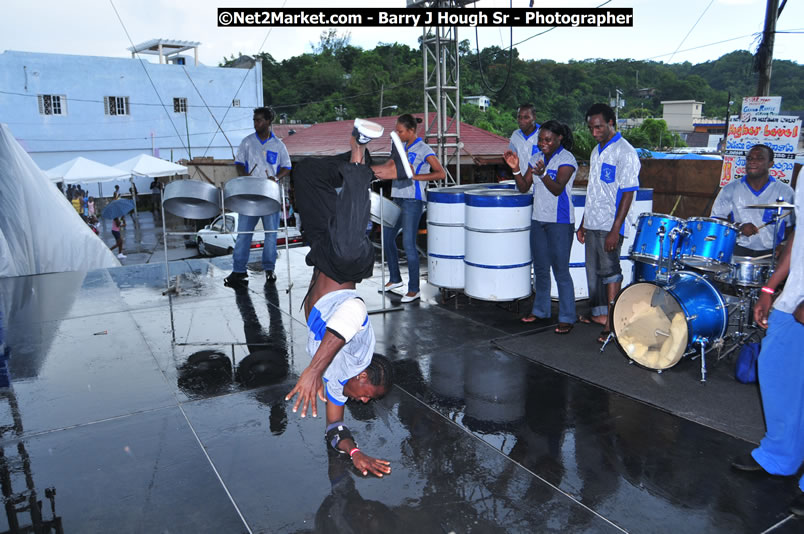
x,y
52,104
179,105
236,103
116,105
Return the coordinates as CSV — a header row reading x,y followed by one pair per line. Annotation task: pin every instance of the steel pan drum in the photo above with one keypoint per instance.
x,y
252,195
708,244
497,256
192,199
656,324
390,211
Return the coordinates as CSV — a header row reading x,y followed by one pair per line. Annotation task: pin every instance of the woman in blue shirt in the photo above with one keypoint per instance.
x,y
410,195
551,172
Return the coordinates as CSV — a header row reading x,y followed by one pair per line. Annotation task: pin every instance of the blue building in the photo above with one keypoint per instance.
x,y
110,109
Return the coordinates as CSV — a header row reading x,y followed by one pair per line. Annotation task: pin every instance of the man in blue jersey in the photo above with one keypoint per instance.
x,y
613,180
260,154
332,194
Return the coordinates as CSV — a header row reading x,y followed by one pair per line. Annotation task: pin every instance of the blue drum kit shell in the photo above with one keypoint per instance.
x,y
675,308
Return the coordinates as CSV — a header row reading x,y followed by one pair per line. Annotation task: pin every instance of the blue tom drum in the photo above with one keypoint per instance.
x,y
654,238
708,244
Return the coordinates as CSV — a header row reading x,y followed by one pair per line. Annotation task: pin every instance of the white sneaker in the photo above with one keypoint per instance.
x,y
411,298
390,286
121,256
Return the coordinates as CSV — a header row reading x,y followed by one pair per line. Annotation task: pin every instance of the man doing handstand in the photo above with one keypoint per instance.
x,y
332,194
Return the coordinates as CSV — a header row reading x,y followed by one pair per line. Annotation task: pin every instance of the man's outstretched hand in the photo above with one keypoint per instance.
x,y
366,464
308,386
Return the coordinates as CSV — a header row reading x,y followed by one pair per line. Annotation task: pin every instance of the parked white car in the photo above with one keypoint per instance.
x,y
217,238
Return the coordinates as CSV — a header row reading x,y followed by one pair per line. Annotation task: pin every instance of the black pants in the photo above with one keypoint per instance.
x,y
332,196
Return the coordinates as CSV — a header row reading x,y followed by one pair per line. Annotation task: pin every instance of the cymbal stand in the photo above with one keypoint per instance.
x,y
777,217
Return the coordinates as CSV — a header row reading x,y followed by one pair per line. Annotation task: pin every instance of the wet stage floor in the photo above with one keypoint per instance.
x,y
128,411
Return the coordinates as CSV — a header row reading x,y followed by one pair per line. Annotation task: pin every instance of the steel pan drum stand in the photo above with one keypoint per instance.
x,y
384,308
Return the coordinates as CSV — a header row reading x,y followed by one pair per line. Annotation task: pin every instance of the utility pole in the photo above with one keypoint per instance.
x,y
764,56
382,90
729,102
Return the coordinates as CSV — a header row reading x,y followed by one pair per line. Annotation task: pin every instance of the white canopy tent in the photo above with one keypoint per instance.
x,y
145,165
90,174
40,232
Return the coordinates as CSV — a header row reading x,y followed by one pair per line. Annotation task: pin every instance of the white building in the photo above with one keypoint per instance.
x,y
483,102
110,109
680,115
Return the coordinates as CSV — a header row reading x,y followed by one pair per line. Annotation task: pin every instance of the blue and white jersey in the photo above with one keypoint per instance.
x,y
417,153
793,292
732,201
547,207
613,170
524,146
262,158
355,355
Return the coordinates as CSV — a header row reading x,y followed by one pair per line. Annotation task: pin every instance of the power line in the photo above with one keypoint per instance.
x,y
554,27
93,101
142,63
693,27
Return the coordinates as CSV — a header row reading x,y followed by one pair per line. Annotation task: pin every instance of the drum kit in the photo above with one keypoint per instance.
x,y
690,293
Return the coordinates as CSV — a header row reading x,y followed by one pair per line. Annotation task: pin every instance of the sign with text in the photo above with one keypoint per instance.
x,y
779,132
760,106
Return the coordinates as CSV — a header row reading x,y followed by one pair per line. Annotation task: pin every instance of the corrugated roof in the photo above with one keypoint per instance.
x,y
330,138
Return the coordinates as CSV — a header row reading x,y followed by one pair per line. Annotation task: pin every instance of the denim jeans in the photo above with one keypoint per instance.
x,y
550,245
602,268
242,247
409,222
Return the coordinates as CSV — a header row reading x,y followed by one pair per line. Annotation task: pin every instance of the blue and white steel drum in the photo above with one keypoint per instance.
x,y
497,260
709,244
657,324
649,246
445,237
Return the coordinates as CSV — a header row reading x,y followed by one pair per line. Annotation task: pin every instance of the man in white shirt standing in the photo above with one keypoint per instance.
x,y
613,180
259,154
524,141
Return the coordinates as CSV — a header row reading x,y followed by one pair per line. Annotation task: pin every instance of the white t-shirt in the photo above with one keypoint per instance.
x,y
793,292
417,153
731,204
524,146
353,357
262,158
546,206
613,170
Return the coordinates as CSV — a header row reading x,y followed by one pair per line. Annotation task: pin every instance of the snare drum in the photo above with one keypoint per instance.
x,y
747,272
708,245
649,246
656,325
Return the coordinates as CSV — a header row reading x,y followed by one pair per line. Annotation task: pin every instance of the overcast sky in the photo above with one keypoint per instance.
x,y
91,27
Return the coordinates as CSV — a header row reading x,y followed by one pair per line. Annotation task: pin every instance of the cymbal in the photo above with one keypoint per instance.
x,y
775,205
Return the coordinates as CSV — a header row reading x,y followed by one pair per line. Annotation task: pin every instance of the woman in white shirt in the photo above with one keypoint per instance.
x,y
551,172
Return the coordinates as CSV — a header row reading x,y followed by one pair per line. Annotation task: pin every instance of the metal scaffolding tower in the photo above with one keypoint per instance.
x,y
442,88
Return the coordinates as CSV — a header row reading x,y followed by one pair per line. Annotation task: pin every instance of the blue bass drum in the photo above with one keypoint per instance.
x,y
656,325
648,246
709,244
